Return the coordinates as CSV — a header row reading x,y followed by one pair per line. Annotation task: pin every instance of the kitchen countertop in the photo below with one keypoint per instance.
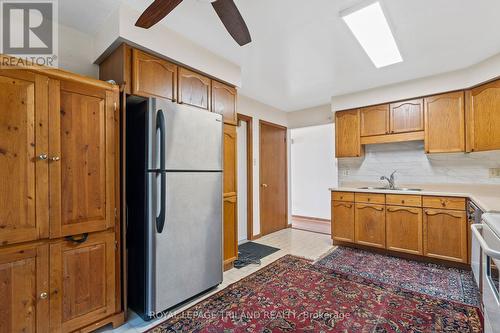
x,y
487,197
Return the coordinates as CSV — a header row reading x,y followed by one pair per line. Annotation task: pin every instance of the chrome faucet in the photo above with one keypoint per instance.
x,y
391,180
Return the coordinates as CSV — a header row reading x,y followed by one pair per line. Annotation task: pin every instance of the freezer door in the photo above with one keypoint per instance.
x,y
188,250
190,139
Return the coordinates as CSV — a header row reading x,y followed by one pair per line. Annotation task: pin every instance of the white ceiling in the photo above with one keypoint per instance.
x,y
302,53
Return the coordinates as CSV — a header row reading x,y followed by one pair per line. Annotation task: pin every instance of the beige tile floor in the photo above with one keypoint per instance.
x,y
290,241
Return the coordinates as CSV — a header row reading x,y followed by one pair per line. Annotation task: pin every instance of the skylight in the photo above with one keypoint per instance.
x,y
370,27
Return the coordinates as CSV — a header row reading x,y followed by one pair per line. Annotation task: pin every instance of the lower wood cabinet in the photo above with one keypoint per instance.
x,y
24,288
343,221
230,231
82,281
445,234
370,225
404,229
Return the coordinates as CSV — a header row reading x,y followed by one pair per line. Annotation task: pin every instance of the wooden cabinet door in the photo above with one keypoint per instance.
x,y
404,229
24,289
81,158
347,134
224,100
445,123
374,120
230,230
407,116
369,225
343,221
483,117
152,76
230,161
23,163
82,281
445,234
194,89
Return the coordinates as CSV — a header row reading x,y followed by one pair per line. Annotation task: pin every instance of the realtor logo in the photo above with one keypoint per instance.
x,y
29,30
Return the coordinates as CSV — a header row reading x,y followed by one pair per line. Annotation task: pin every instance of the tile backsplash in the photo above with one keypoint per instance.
x,y
414,166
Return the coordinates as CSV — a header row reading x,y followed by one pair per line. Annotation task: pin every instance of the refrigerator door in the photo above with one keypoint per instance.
x,y
187,251
192,138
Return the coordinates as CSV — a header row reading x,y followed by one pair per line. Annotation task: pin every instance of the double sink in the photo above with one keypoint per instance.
x,y
404,189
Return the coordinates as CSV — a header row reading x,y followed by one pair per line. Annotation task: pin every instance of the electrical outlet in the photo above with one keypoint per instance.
x,y
345,172
495,173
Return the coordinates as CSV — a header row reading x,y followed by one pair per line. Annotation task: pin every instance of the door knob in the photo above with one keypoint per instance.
x,y
43,295
55,158
42,157
265,185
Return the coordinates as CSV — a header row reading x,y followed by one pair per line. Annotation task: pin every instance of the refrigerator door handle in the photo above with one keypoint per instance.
x,y
160,128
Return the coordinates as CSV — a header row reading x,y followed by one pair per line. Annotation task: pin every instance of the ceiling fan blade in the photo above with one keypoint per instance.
x,y
232,20
156,12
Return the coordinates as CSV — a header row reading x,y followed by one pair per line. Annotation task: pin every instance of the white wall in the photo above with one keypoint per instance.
x,y
259,111
318,115
314,170
241,132
76,52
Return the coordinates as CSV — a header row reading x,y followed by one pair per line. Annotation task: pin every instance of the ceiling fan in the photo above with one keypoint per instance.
x,y
225,9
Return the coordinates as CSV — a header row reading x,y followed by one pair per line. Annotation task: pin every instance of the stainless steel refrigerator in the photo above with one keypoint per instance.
x,y
174,163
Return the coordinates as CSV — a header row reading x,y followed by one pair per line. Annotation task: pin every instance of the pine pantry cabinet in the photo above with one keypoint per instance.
x,y
58,167
430,226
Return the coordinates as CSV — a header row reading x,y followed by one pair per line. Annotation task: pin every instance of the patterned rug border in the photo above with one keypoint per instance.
x,y
328,272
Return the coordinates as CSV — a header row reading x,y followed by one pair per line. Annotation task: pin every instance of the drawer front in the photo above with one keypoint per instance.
x,y
343,196
444,203
404,200
371,198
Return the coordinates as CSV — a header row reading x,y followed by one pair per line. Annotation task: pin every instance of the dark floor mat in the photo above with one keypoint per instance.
x,y
251,253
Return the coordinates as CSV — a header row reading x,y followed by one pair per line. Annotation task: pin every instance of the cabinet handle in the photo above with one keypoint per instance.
x,y
433,213
44,295
55,158
264,185
392,210
342,204
376,208
42,157
84,238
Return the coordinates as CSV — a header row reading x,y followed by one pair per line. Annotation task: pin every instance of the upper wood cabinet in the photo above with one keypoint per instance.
x,y
230,160
152,76
369,225
445,234
194,89
82,281
445,123
81,158
347,134
224,99
374,120
24,289
404,229
483,117
407,116
343,221
23,152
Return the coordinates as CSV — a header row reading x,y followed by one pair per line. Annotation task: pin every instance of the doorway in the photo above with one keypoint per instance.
x,y
273,178
245,178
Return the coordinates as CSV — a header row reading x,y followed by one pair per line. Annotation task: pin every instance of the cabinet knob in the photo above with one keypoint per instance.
x,y
55,158
264,185
42,157
44,295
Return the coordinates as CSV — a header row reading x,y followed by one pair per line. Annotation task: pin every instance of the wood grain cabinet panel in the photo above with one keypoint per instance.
x,y
445,234
152,76
372,198
407,116
343,221
81,159
370,225
194,89
224,99
444,202
374,120
230,161
23,176
230,230
82,280
445,123
24,289
347,133
404,200
404,229
343,196
483,117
